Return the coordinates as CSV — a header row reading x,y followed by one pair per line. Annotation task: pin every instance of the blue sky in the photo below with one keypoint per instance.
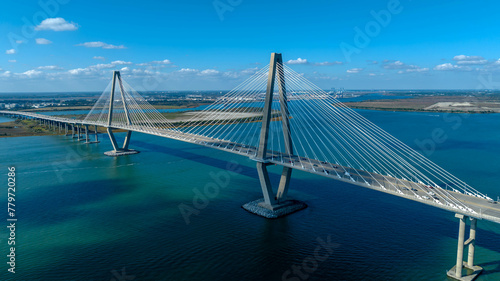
x,y
69,45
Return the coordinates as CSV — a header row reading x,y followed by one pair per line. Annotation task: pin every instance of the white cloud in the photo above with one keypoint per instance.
x,y
126,68
449,66
10,52
478,62
231,74
328,63
413,70
445,66
188,70
354,70
298,61
99,58
78,71
12,61
6,74
102,66
49,67
162,61
43,41
120,62
395,65
250,71
208,72
56,24
19,41
464,57
32,73
99,44
470,60
403,67
143,72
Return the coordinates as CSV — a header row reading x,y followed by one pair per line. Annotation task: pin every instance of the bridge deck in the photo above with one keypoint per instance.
x,y
479,207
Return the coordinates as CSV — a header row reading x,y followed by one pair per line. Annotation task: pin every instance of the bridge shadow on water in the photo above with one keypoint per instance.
x,y
485,237
199,158
490,264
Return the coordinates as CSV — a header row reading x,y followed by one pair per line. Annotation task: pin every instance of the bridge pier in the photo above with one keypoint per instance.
x,y
119,151
86,134
87,137
124,150
79,135
473,271
274,206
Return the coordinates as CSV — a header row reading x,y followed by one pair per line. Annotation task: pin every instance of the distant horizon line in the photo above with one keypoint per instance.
x,y
218,90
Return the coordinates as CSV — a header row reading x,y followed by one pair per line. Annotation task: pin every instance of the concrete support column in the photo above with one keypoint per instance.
x,y
265,184
96,134
112,138
78,132
284,184
460,249
86,133
127,140
73,130
472,243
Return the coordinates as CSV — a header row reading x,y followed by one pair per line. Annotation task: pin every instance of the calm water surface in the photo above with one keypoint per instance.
x,y
4,119
86,216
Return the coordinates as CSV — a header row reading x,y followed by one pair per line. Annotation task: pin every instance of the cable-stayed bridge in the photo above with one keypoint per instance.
x,y
277,117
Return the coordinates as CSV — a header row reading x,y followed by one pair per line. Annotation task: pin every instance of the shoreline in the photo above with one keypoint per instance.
x,y
422,110
434,104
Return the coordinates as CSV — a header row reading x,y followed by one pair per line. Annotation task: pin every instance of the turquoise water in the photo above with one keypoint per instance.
x,y
85,216
4,119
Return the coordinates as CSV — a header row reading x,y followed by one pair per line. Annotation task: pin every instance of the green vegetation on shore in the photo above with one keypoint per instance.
x,y
20,128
